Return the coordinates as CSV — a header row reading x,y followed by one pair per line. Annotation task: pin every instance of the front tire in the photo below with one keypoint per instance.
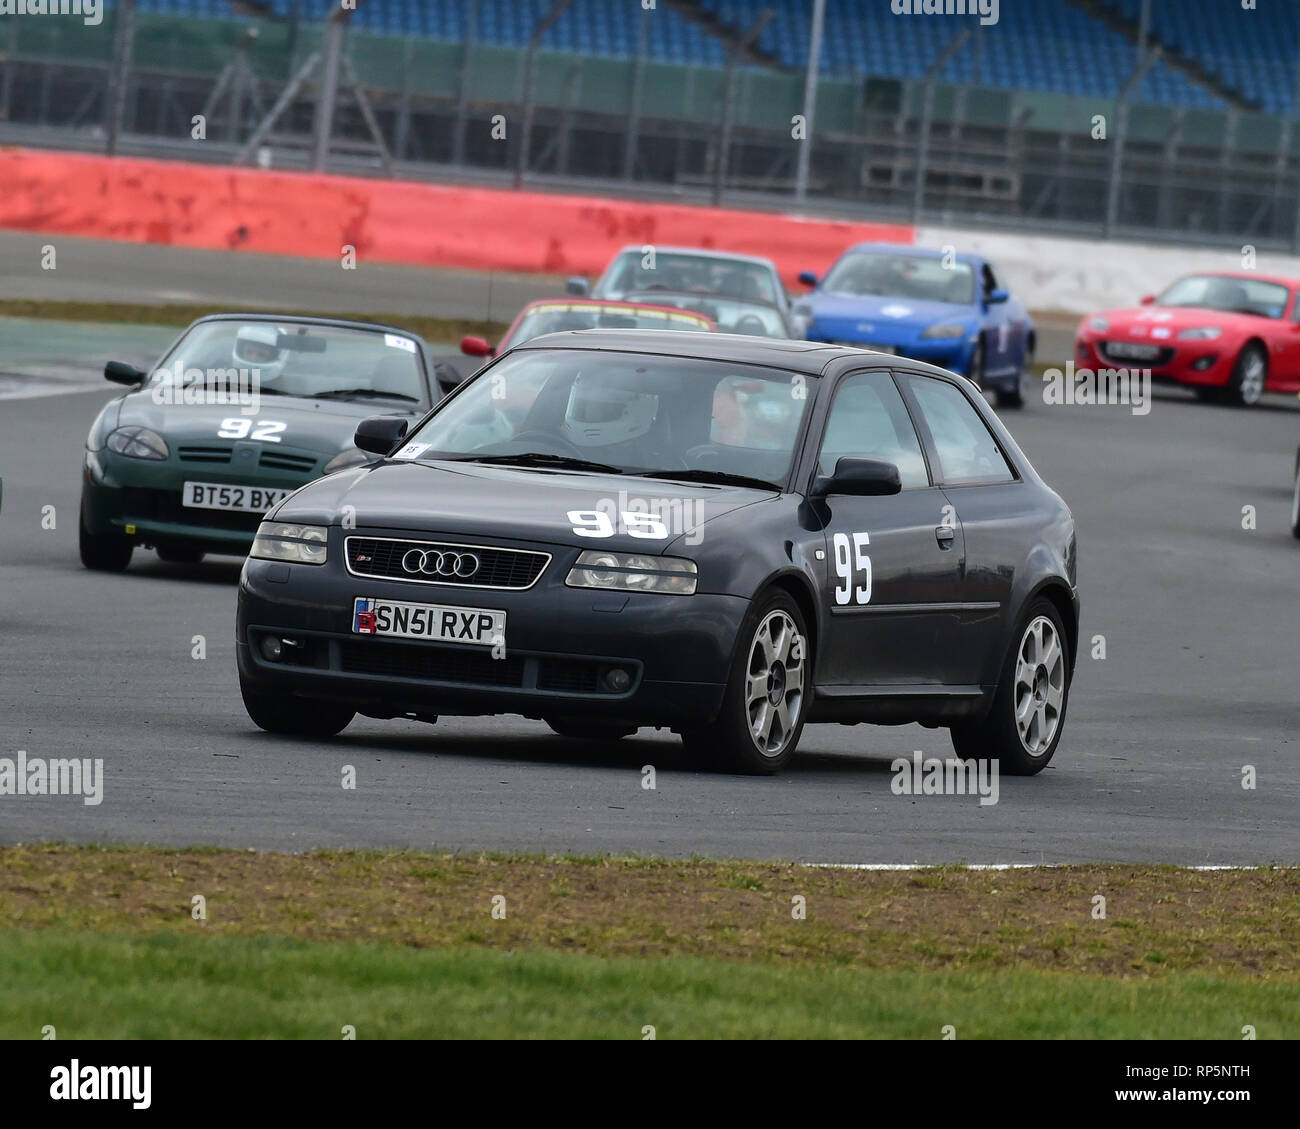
x,y
103,552
294,717
768,692
1024,726
1249,375
180,554
1295,501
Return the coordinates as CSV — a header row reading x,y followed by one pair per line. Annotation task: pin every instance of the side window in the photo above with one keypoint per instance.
x,y
868,420
967,450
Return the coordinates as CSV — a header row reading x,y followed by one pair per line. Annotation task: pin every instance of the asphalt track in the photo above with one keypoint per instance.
x,y
1199,618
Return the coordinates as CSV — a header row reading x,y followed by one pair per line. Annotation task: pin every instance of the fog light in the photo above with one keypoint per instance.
x,y
272,649
618,679
1202,363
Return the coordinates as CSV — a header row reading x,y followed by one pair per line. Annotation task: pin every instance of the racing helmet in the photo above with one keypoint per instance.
x,y
599,415
258,347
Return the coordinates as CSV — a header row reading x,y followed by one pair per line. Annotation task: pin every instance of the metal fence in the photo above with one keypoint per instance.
x,y
323,96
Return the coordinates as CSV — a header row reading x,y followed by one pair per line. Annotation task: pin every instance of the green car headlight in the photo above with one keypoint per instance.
x,y
138,443
633,572
946,332
284,541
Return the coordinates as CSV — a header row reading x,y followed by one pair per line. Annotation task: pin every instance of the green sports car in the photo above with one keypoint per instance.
x,y
240,412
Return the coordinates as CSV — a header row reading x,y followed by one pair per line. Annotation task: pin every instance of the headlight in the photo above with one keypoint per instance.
x,y
284,541
633,572
353,456
946,332
1099,324
138,443
1200,333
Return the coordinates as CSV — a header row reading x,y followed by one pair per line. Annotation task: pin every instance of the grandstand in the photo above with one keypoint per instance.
x,y
1206,148
1062,46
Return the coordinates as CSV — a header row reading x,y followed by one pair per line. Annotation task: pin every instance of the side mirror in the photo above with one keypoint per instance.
x,y
119,372
476,347
380,434
579,286
807,278
860,478
997,296
1148,299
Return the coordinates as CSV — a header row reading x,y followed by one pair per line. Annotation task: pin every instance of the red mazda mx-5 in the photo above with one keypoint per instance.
x,y
1230,336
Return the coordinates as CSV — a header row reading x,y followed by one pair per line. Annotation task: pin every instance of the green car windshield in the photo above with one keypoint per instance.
x,y
295,359
628,413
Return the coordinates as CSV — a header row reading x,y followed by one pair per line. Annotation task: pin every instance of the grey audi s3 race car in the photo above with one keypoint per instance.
x,y
727,536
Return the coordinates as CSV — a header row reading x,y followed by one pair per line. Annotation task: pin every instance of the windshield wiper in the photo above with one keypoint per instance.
x,y
538,458
353,393
720,477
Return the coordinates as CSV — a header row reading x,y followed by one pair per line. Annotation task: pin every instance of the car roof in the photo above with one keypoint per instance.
x,y
810,357
914,251
621,303
303,319
1277,279
700,252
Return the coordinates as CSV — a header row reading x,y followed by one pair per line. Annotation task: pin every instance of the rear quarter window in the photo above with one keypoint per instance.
x,y
967,450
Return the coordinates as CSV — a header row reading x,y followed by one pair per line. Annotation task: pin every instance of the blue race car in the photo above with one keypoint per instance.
x,y
950,310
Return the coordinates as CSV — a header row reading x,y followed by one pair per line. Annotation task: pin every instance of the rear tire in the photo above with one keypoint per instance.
x,y
1017,396
768,692
1024,726
976,372
590,731
1249,375
294,717
103,552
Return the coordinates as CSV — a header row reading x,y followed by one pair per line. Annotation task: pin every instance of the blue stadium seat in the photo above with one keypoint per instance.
x,y
1040,45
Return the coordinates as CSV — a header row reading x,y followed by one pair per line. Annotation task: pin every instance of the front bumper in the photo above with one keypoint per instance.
x,y
141,499
1194,363
559,644
953,354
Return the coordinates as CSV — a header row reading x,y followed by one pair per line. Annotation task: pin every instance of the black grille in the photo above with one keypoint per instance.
x,y
282,460
203,454
498,568
1120,353
570,676
433,664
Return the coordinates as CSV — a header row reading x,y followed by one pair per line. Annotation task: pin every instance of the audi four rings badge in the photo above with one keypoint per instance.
x,y
435,563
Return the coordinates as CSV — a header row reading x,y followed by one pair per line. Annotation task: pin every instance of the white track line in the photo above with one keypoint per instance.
x,y
1018,865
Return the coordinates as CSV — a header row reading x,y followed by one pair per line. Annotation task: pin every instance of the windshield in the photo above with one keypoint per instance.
x,y
902,276
643,272
1231,295
731,316
630,413
555,317
294,359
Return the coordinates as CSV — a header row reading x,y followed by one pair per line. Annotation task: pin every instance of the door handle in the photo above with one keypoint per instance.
x,y
944,534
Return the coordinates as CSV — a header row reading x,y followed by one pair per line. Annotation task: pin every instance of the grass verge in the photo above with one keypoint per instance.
x,y
103,941
433,330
